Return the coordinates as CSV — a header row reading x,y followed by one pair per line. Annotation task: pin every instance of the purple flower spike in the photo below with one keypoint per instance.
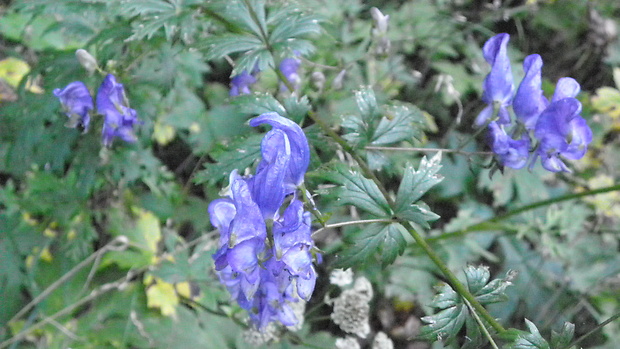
x,y
119,119
498,86
240,83
77,104
300,151
511,153
529,100
562,133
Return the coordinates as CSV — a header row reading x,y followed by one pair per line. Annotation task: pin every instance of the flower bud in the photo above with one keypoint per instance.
x,y
86,60
318,80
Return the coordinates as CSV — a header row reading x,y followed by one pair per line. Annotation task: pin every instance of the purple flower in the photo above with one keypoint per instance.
x,y
529,100
511,153
498,86
300,151
289,67
77,104
119,119
561,130
240,83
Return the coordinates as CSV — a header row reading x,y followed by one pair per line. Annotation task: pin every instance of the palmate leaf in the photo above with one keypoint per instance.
x,y
377,241
447,323
413,186
529,340
399,123
360,192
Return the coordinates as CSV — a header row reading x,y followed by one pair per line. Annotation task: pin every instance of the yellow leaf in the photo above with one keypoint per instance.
x,y
13,70
148,228
163,134
184,289
607,100
162,295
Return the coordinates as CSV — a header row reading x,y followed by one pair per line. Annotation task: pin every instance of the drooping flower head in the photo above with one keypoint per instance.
x,y
240,83
562,132
77,104
529,100
119,119
498,86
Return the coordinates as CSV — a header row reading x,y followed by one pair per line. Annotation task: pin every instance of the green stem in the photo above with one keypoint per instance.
x,y
454,281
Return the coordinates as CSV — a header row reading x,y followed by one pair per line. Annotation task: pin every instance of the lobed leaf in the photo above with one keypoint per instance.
x,y
361,192
416,183
531,340
384,241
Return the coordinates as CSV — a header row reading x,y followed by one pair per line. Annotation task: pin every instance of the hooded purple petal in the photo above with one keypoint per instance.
x,y
267,185
529,100
498,86
566,88
300,151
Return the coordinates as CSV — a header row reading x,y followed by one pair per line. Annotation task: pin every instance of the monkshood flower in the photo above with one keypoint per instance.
x,y
77,104
512,153
240,83
289,67
300,151
119,119
562,133
267,271
498,86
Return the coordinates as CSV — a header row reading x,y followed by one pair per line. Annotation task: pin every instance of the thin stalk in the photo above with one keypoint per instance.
x,y
598,327
482,326
428,150
347,223
493,223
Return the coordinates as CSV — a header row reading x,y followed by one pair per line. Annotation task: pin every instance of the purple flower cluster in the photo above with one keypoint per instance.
x,y
119,119
556,125
264,257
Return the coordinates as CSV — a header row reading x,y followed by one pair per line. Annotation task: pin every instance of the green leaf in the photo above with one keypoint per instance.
x,y
445,324
448,322
377,240
531,340
367,104
239,155
419,214
361,192
226,44
415,184
399,123
562,339
297,108
259,103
